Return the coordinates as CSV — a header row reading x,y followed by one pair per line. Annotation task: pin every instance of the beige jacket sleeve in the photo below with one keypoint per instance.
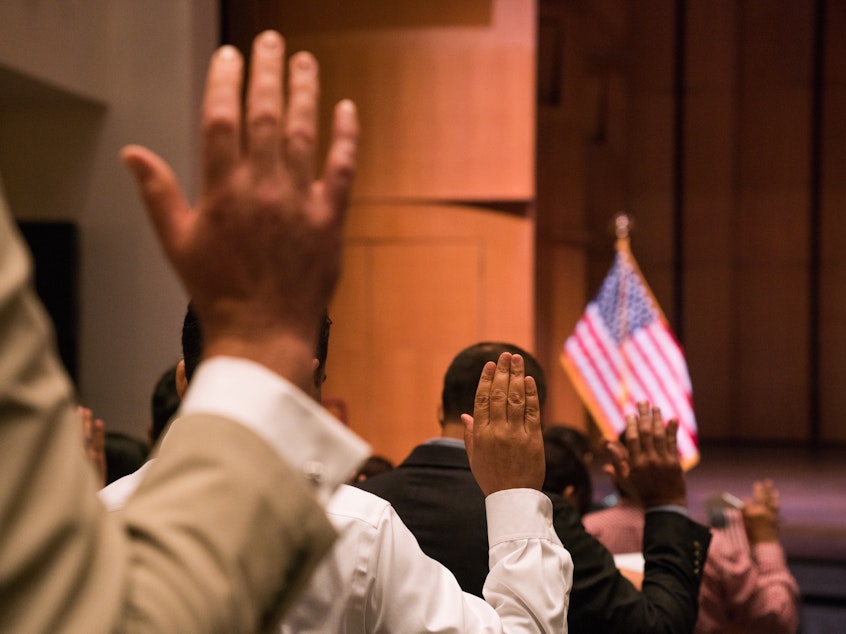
x,y
216,539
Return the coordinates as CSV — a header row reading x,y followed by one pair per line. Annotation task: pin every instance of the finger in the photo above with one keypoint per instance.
x,y
499,389
301,119
339,171
644,428
265,104
98,435
672,437
482,403
161,195
619,459
659,433
758,493
532,418
221,118
468,435
516,403
632,435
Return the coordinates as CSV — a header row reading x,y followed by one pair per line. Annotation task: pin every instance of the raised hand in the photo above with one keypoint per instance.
x,y
93,441
503,437
259,254
648,465
760,513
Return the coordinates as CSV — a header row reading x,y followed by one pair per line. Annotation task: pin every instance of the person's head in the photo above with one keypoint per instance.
x,y
192,352
321,354
192,349
462,378
577,440
566,473
163,403
124,454
373,466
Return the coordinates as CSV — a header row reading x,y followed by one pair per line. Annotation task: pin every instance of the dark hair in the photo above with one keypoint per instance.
x,y
192,342
569,436
124,455
164,402
462,376
322,351
373,466
564,467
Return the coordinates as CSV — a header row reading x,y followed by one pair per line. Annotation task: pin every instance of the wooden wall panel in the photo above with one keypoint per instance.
x,y
772,256
710,136
419,284
833,228
651,142
446,97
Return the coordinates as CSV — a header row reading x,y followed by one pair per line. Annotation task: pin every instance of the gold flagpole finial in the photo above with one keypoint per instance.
x,y
622,225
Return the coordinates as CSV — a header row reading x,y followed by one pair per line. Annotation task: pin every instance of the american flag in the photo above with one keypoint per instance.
x,y
622,352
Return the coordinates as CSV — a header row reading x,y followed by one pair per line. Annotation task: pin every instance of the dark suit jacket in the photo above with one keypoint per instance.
x,y
434,493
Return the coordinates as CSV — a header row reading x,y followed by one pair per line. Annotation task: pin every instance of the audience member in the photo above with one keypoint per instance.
x,y
373,466
576,440
434,493
125,454
93,442
164,402
373,574
746,584
225,528
566,473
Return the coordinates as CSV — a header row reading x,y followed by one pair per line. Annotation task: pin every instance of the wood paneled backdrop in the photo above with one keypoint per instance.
x,y
502,135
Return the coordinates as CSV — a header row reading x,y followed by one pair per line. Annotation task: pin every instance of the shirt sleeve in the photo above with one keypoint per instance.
x,y
322,449
527,589
530,571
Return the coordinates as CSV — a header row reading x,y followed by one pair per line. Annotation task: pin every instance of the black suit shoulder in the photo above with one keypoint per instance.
x,y
434,493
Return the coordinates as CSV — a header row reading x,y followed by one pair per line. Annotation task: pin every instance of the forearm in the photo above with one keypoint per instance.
x,y
198,566
53,525
531,573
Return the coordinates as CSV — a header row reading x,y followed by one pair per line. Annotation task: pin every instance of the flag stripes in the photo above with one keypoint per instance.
x,y
622,351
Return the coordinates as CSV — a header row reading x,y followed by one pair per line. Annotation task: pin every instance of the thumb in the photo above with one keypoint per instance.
x,y
165,203
619,459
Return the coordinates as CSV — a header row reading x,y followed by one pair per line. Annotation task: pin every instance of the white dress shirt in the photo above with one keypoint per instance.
x,y
377,580
306,436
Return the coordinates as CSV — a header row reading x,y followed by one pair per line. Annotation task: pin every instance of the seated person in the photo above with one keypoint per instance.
x,y
371,580
434,493
746,583
566,473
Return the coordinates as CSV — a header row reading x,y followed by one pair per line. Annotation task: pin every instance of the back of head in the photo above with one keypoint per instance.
x,y
163,403
192,342
573,437
462,376
124,455
565,469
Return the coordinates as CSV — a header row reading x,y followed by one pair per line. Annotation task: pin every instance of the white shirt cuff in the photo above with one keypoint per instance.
x,y
306,436
518,514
